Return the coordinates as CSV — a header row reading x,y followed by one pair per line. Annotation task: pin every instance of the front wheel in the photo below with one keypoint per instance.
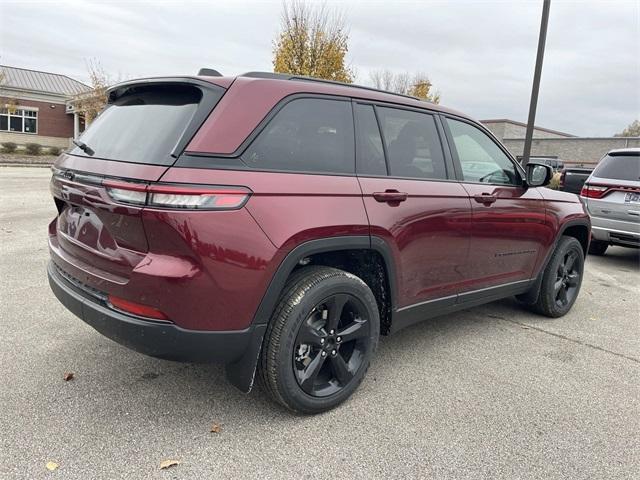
x,y
320,340
561,279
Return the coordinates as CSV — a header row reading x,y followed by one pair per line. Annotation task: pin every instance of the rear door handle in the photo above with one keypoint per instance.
x,y
485,198
390,196
634,212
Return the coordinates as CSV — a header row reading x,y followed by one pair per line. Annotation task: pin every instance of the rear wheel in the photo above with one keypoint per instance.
x,y
598,247
320,340
561,279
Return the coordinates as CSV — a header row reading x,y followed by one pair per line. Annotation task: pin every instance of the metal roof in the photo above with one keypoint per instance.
x,y
36,81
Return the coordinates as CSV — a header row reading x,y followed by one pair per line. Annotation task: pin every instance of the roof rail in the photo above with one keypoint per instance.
x,y
286,76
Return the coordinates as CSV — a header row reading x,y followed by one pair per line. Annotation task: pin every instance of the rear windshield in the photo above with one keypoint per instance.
x,y
619,167
143,125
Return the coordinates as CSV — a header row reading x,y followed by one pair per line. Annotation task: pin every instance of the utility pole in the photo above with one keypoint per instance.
x,y
542,39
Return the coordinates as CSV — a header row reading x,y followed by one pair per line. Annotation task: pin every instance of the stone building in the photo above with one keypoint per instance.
x,y
36,107
570,149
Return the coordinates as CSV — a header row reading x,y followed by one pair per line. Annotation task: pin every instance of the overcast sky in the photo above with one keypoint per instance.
x,y
479,54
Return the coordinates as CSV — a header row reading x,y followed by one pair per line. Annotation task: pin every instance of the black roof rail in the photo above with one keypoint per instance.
x,y
286,76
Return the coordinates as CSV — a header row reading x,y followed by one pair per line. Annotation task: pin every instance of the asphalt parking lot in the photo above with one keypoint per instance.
x,y
494,392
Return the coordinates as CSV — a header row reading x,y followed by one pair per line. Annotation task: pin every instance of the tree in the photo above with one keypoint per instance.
x,y
633,130
93,101
416,85
313,41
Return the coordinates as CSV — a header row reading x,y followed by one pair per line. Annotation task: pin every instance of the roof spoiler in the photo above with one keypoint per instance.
x,y
209,72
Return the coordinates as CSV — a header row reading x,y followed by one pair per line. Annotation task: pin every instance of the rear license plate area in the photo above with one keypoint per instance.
x,y
632,197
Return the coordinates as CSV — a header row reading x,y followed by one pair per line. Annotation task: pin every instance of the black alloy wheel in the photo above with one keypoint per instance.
x,y
331,345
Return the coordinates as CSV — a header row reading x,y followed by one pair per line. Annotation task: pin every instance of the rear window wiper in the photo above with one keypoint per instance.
x,y
84,147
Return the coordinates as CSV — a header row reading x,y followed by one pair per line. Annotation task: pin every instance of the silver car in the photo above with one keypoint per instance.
x,y
611,195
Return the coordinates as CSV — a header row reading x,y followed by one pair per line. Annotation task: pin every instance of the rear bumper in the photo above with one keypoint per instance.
x,y
157,339
616,232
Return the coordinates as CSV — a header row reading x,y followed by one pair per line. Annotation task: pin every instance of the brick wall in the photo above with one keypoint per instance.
x,y
52,122
572,151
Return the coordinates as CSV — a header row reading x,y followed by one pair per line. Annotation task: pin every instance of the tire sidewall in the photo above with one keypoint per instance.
x,y
566,245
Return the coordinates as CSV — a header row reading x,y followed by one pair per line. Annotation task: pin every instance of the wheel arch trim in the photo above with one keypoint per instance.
x,y
322,245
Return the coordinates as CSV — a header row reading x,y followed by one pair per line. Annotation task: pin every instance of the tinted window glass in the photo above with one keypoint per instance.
x,y
370,157
480,158
307,135
619,167
413,144
143,126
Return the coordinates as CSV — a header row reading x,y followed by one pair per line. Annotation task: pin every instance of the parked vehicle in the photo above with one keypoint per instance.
x,y
554,163
280,224
612,197
572,179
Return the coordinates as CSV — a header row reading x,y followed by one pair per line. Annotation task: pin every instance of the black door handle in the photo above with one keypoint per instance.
x,y
390,196
485,198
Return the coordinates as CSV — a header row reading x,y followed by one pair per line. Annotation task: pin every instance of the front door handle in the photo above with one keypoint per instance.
x,y
390,196
485,198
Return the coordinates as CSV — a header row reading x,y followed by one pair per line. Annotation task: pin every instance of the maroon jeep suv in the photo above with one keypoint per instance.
x,y
280,224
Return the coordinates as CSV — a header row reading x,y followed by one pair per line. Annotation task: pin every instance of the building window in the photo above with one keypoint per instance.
x,y
20,120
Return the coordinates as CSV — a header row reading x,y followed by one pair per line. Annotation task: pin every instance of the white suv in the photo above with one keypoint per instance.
x,y
611,195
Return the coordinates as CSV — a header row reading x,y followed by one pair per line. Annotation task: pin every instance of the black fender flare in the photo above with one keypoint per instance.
x,y
241,373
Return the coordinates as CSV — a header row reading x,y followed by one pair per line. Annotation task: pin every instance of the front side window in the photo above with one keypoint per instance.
x,y
480,158
306,135
413,144
18,120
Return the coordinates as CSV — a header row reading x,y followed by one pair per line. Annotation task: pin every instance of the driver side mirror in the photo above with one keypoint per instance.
x,y
538,174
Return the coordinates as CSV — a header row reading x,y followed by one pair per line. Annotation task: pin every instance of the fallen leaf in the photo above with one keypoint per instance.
x,y
525,327
51,466
68,376
168,463
216,428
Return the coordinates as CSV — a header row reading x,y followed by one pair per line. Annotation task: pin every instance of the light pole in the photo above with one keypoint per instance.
x,y
542,39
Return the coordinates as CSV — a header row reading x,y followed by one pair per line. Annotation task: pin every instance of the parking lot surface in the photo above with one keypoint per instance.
x,y
493,392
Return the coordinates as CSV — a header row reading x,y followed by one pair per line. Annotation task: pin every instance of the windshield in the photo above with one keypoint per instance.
x,y
142,126
619,167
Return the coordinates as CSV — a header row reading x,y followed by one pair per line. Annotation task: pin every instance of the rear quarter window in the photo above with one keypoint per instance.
x,y
306,135
619,167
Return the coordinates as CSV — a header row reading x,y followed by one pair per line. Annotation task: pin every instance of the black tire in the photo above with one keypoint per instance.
x,y
561,279
598,247
292,354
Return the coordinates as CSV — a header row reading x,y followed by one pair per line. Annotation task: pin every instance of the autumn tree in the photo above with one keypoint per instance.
x,y
93,101
313,41
633,130
416,85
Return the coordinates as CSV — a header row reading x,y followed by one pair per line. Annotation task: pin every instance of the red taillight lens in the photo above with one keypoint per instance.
x,y
173,196
136,308
199,198
593,191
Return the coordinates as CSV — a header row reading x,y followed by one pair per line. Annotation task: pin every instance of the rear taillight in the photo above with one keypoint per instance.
x,y
178,196
593,191
136,308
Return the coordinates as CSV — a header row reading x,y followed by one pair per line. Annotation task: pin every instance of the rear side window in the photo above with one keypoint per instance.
x,y
619,167
413,144
143,125
306,135
370,156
